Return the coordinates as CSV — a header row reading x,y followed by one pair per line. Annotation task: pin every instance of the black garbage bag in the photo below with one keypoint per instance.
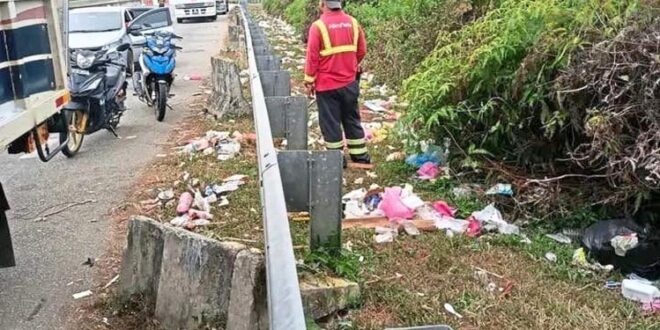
x,y
643,259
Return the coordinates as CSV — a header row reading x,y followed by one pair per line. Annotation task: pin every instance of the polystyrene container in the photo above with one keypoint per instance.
x,y
639,291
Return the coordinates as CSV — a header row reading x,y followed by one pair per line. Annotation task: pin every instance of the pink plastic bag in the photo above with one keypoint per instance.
x,y
443,208
474,227
185,201
392,206
428,171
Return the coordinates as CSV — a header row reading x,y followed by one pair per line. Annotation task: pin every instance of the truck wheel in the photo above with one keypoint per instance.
x,y
179,20
75,139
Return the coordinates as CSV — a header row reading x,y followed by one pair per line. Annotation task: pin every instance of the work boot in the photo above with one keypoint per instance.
x,y
361,159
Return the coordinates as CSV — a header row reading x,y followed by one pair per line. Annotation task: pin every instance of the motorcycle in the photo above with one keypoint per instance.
x,y
97,83
153,79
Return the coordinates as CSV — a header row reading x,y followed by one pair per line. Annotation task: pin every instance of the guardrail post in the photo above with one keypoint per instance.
x,y
313,182
276,83
288,119
268,63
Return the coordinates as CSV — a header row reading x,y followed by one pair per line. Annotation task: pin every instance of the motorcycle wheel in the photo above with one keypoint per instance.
x,y
161,101
75,139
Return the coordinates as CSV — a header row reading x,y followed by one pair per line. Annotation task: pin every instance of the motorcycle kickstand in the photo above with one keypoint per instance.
x,y
112,130
169,106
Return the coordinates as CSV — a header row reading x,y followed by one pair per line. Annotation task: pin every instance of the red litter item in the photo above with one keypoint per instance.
x,y
428,171
185,201
474,227
193,77
197,214
443,208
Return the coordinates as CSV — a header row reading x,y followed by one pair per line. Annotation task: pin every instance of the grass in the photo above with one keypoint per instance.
x,y
435,269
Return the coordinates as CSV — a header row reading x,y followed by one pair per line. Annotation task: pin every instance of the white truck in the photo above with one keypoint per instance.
x,y
185,9
32,87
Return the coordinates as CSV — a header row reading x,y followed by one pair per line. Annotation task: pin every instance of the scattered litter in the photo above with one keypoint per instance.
x,y
473,228
228,149
355,209
642,258
412,202
609,284
236,178
358,181
111,282
392,205
428,171
372,175
185,202
223,201
503,189
410,228
623,243
197,214
444,209
131,137
385,235
491,218
201,203
375,105
358,194
559,237
166,195
82,294
580,260
450,309
639,291
180,221
465,190
456,226
395,156
551,257
193,77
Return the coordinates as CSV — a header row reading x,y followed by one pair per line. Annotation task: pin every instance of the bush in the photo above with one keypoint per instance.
x,y
403,32
488,84
276,7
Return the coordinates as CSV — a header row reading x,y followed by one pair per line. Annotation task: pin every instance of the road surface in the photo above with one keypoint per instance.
x,y
50,253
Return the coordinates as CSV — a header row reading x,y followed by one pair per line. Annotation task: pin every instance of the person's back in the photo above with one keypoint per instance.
x,y
335,48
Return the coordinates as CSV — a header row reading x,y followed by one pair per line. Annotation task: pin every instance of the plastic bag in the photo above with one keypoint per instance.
x,y
644,259
392,206
428,171
443,208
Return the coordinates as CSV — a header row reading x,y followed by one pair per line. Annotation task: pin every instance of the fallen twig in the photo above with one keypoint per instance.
x,y
487,272
391,278
43,217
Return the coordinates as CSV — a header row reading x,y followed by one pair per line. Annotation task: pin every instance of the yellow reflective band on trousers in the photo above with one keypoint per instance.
x,y
334,145
354,142
328,49
357,151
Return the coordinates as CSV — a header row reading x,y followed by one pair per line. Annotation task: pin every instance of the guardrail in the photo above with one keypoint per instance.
x,y
284,301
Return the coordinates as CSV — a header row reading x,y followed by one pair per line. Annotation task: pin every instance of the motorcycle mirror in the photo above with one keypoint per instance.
x,y
123,47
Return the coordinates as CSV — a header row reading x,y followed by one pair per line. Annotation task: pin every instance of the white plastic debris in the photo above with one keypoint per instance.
x,y
354,209
357,195
385,235
82,294
166,195
412,202
180,221
551,257
491,218
639,291
410,228
560,238
201,203
624,243
450,309
455,226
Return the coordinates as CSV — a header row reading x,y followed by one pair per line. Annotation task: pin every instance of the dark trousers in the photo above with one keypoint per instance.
x,y
338,109
6,250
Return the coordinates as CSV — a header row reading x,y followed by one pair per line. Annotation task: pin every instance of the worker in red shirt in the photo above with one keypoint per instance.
x,y
335,47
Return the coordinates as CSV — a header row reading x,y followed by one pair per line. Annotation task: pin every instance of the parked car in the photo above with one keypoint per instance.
x,y
97,28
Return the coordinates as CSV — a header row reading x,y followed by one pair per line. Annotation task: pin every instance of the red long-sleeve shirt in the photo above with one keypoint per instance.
x,y
338,68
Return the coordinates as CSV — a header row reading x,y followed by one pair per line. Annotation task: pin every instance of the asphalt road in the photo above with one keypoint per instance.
x,y
50,253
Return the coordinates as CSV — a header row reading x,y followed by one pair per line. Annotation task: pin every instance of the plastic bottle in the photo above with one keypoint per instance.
x,y
639,291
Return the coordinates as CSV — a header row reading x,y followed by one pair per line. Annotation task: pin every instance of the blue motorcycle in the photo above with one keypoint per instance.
x,y
157,61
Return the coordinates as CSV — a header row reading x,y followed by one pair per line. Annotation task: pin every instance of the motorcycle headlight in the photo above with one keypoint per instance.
x,y
85,60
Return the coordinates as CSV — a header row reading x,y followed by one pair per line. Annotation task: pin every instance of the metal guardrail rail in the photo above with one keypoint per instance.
x,y
284,301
